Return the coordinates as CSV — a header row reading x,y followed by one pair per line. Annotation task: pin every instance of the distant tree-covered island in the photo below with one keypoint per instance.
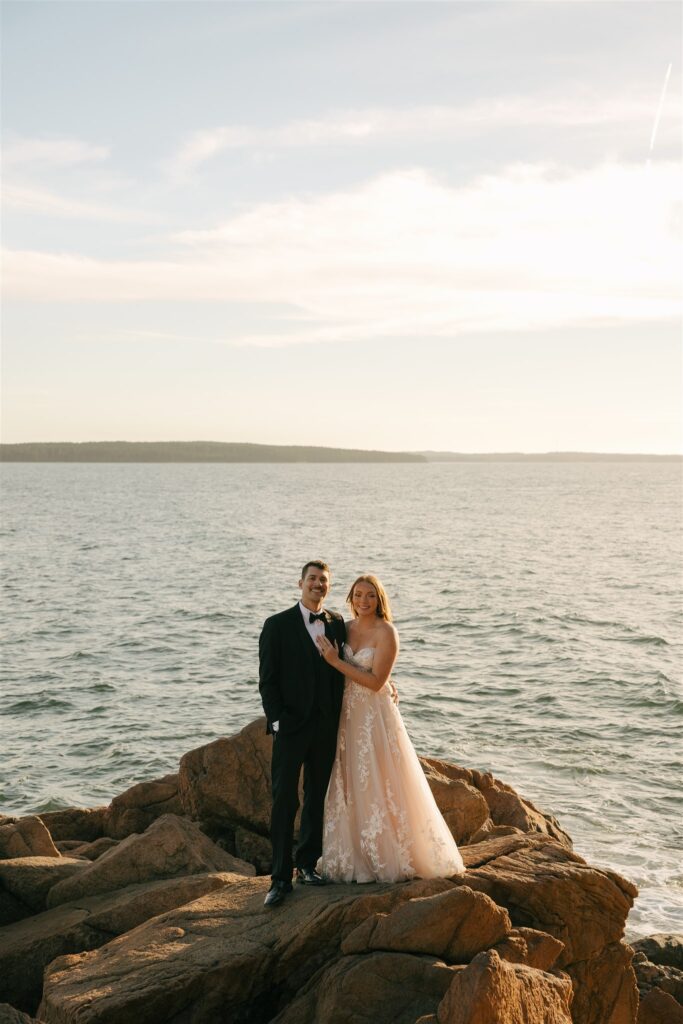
x,y
221,451
191,451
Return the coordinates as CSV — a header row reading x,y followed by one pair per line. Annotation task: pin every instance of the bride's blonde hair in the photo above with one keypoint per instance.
x,y
383,610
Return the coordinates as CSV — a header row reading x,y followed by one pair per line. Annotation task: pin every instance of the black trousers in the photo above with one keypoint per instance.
x,y
313,747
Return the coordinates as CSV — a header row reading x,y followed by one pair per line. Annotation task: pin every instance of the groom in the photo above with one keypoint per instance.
x,y
302,697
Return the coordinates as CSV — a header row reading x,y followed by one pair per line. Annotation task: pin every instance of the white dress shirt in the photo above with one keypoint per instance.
x,y
315,629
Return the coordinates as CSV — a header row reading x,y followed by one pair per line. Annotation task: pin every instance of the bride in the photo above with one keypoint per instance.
x,y
381,820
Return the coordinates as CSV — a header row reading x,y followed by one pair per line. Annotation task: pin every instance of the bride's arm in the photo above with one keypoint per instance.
x,y
386,653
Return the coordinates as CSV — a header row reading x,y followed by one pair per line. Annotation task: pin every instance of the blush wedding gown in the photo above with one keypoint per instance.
x,y
381,820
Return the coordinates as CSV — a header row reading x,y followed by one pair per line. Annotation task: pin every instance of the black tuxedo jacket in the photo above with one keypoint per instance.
x,y
290,668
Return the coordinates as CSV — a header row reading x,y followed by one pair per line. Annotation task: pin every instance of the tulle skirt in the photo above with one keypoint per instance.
x,y
381,820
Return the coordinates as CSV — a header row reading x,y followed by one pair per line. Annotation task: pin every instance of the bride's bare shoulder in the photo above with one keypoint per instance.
x,y
388,631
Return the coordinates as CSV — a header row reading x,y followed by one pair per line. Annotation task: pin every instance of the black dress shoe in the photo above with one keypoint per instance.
x,y
308,876
277,893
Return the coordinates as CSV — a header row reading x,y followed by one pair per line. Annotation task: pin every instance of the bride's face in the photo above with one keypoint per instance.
x,y
364,599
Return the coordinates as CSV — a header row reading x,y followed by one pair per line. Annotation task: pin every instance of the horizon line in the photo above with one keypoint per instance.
x,y
333,448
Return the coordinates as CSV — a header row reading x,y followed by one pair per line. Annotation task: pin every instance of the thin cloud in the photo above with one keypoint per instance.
x,y
41,201
405,255
419,123
53,152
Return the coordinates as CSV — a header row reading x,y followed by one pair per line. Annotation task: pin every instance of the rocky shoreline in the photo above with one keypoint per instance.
x,y
150,910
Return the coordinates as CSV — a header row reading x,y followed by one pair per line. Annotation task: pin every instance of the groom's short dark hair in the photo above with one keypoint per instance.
x,y
318,563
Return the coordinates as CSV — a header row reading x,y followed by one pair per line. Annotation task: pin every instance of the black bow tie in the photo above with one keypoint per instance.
x,y
313,617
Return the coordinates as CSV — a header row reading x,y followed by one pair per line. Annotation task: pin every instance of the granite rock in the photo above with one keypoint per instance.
x,y
95,849
171,846
492,991
136,808
27,947
228,781
658,1007
505,806
662,949
605,990
82,823
10,1015
531,947
25,837
29,879
548,887
454,925
392,987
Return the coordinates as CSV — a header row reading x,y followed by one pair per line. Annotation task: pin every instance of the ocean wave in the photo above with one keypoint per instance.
x,y
659,641
37,704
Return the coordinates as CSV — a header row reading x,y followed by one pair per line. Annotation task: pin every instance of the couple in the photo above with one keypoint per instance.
x,y
329,704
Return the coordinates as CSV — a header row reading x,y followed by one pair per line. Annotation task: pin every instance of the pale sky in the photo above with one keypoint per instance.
x,y
420,225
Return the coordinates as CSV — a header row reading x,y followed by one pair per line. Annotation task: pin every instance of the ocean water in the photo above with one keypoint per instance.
x,y
538,604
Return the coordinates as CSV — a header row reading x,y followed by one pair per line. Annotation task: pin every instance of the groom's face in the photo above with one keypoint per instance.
x,y
314,586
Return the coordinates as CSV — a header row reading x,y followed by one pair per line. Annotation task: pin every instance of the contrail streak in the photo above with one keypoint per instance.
x,y
659,109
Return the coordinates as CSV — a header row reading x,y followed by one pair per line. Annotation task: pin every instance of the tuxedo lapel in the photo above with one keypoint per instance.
x,y
300,628
304,642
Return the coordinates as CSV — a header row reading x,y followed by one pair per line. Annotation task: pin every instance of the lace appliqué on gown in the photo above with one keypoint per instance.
x,y
381,820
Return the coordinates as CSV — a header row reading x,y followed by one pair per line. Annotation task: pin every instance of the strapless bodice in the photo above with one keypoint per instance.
x,y
363,657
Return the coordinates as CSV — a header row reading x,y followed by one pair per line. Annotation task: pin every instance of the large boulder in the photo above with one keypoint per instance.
x,y
254,848
29,879
658,1007
139,806
318,942
490,831
228,781
171,846
463,807
11,909
649,975
28,947
10,1015
25,837
547,887
82,823
505,806
392,987
661,949
93,850
454,925
492,991
531,947
605,990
